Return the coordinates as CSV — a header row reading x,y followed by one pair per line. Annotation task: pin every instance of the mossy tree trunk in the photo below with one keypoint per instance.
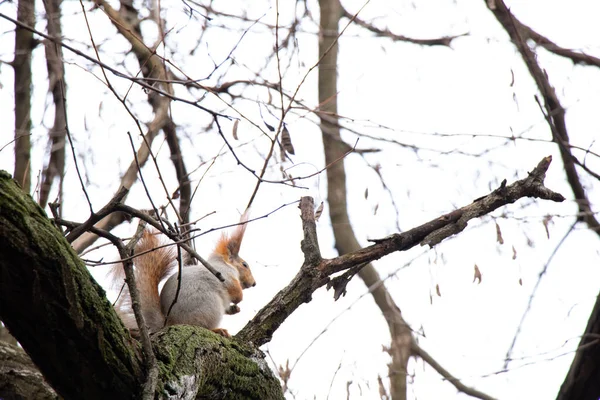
x,y
61,317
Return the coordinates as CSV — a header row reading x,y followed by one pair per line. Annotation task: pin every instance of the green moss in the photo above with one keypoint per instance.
x,y
217,367
67,314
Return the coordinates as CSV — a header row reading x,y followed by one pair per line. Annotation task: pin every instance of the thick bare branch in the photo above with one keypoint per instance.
x,y
315,272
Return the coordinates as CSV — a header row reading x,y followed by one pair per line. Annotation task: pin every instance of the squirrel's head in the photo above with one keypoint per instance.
x,y
228,247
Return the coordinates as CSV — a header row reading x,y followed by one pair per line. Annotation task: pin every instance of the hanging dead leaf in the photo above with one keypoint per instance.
x,y
235,129
366,193
376,208
319,211
499,237
530,242
286,140
437,290
514,253
546,221
269,127
285,373
382,392
477,275
520,281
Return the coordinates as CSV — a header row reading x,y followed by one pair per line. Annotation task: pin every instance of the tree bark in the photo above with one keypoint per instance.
x,y
57,312
583,379
345,239
61,317
56,81
19,377
24,45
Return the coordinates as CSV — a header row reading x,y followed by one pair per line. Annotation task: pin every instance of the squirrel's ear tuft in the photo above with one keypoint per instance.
x,y
222,247
229,245
235,240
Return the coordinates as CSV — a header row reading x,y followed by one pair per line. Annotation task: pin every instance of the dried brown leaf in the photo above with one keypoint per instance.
x,y
477,275
235,129
286,140
437,290
514,257
499,237
319,211
382,392
546,221
269,127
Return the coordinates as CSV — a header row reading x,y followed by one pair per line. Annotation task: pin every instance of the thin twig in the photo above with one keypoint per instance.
x,y
508,356
420,352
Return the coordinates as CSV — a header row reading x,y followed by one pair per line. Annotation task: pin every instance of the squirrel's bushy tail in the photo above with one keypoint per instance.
x,y
150,269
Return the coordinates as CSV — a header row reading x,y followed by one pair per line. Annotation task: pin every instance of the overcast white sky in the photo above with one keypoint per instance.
x,y
476,87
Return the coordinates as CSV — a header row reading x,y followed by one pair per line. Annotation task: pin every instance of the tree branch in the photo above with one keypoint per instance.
x,y
418,351
315,272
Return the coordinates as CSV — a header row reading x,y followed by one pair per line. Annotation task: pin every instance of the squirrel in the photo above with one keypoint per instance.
x,y
202,300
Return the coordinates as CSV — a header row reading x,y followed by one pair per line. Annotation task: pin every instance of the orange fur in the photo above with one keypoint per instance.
x,y
228,247
222,247
157,264
235,291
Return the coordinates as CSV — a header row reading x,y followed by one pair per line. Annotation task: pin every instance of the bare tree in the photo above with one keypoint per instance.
x,y
191,102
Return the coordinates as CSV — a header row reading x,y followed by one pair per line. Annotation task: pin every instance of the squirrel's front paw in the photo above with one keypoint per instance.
x,y
222,332
233,309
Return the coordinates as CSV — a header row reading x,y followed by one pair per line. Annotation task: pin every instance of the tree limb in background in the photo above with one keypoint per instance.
x,y
418,351
128,179
57,134
583,378
345,239
127,22
546,43
24,45
442,41
555,112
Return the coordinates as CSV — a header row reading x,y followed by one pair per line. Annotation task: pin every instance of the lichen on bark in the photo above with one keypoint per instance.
x,y
194,359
